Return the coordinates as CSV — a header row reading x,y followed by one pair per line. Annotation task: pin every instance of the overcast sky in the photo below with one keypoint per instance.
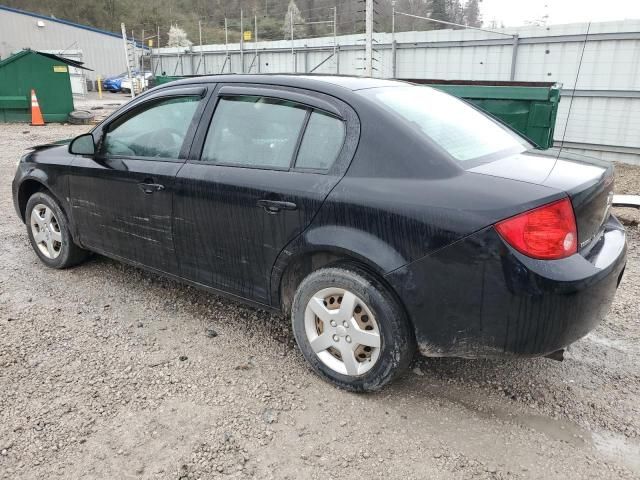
x,y
517,12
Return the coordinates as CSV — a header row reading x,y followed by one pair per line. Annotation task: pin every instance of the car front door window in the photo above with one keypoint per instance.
x,y
156,131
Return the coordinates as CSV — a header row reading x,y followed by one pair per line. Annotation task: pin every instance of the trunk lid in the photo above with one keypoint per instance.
x,y
587,181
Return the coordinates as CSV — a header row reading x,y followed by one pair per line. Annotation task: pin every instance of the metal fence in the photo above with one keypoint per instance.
x,y
605,111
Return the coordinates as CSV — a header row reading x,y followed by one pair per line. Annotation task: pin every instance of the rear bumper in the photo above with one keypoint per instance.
x,y
480,298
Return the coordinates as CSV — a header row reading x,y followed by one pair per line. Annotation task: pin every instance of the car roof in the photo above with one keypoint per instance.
x,y
315,81
351,82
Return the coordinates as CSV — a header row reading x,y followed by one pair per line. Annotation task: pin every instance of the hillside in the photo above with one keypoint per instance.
x,y
149,15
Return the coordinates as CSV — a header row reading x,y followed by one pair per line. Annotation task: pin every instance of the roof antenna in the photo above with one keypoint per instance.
x,y
573,93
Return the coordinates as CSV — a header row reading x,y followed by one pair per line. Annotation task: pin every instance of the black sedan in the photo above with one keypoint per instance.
x,y
381,216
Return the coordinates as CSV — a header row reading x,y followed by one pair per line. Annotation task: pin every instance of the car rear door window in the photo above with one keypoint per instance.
x,y
254,131
462,131
322,141
158,130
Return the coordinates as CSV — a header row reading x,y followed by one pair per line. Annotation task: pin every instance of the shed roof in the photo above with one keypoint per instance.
x,y
59,20
24,53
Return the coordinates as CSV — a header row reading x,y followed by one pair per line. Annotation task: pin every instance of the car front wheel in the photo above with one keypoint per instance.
x,y
49,234
351,329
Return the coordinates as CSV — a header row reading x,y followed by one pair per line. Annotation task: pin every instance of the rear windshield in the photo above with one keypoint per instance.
x,y
464,132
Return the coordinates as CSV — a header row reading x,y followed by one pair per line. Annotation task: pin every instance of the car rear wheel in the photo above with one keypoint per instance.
x,y
351,329
49,234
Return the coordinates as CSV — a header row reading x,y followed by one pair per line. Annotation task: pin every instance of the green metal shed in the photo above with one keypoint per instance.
x,y
528,107
47,74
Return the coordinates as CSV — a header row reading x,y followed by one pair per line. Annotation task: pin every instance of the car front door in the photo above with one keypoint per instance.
x,y
122,197
258,174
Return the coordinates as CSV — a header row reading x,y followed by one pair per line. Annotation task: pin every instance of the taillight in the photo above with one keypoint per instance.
x,y
548,232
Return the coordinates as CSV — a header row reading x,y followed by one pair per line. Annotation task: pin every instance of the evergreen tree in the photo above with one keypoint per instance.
x,y
472,14
439,12
455,11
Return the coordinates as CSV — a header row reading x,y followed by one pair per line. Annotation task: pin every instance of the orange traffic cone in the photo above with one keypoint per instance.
x,y
36,113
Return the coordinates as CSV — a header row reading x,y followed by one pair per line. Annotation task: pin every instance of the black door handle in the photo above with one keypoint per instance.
x,y
149,187
274,206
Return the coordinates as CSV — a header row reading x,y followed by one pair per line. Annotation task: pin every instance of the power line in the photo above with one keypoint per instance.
x,y
575,85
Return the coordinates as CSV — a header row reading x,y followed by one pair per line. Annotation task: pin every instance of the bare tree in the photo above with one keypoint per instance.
x,y
293,15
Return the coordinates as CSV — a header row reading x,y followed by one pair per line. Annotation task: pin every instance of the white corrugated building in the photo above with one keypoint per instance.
x,y
100,50
605,111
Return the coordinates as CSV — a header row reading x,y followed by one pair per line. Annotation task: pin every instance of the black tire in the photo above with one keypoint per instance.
x,y
69,253
397,339
81,117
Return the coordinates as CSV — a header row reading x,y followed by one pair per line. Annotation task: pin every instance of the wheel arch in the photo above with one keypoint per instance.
x,y
297,265
31,185
27,188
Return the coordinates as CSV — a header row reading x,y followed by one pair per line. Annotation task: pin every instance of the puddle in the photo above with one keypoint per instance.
x,y
618,448
556,429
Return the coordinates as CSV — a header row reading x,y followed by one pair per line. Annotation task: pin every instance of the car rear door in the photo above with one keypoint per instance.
x,y
122,197
258,173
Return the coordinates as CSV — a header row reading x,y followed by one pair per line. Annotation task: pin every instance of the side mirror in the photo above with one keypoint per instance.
x,y
83,145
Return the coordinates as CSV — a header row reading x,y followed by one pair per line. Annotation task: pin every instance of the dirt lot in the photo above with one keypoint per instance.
x,y
110,372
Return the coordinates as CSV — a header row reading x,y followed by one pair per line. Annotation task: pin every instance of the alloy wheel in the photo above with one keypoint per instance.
x,y
46,231
342,331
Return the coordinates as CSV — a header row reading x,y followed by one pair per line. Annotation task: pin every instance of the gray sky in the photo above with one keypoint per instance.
x,y
517,12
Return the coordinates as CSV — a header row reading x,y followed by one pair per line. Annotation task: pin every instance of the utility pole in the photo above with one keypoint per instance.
x,y
158,56
200,34
241,43
293,53
394,68
514,57
257,57
335,36
226,45
368,52
159,59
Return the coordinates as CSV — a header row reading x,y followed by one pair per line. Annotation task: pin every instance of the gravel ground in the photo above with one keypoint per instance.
x,y
110,372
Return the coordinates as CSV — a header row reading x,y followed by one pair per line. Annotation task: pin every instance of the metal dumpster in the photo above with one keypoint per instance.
x,y
47,74
162,79
528,107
